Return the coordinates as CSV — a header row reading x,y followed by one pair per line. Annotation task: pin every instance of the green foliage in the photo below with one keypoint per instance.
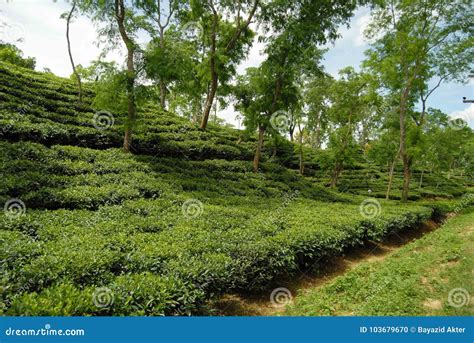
x,y
9,53
406,283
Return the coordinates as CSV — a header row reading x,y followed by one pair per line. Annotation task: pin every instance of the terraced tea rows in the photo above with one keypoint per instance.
x,y
165,229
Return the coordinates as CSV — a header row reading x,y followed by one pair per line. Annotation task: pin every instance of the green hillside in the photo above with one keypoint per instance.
x,y
167,228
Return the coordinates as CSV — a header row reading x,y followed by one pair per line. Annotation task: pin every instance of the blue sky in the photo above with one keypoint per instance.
x,y
38,23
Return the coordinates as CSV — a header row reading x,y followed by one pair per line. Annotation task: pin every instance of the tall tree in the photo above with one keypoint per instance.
x,y
119,24
225,43
410,34
120,15
161,14
293,31
351,98
69,17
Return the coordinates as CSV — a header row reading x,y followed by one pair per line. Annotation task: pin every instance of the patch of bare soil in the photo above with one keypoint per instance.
x,y
260,304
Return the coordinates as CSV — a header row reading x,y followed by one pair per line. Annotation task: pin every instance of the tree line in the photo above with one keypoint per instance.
x,y
188,65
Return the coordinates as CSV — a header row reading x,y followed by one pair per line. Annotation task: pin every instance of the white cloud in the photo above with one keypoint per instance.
x,y
360,25
466,114
43,35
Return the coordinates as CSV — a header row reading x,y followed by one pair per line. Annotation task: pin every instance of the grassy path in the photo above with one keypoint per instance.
x,y
410,273
429,276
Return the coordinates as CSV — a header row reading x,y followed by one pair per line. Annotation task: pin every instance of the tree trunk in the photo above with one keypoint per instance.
x,y
301,149
132,110
214,78
275,147
318,137
258,151
335,174
291,132
261,128
390,177
162,94
421,178
76,74
241,26
403,149
162,82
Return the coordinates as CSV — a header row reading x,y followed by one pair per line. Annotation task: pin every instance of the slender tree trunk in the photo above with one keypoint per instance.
x,y
241,26
291,132
335,174
162,94
130,83
261,128
301,150
318,137
76,74
403,148
256,160
275,147
390,176
214,77
421,178
162,82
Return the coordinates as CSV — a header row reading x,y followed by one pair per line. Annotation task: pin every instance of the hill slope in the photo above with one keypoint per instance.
x,y
90,230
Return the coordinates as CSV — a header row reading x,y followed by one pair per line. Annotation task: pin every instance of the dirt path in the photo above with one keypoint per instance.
x,y
261,305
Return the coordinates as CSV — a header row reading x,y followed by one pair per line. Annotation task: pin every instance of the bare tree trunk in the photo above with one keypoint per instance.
x,y
241,26
335,174
162,94
132,110
275,147
403,149
291,131
301,149
214,78
390,177
258,151
318,137
76,74
421,178
261,128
